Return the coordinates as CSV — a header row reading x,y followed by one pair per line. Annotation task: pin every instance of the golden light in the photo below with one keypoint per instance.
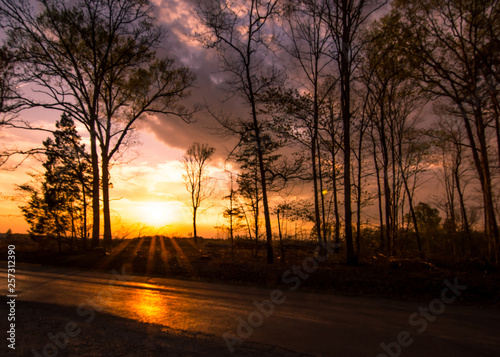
x,y
148,306
158,214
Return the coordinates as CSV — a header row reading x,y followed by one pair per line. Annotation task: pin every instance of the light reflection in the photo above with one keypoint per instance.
x,y
163,309
148,306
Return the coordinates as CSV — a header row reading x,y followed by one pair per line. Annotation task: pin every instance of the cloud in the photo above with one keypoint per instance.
x,y
180,24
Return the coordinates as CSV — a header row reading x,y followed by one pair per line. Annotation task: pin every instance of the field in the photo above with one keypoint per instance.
x,y
213,260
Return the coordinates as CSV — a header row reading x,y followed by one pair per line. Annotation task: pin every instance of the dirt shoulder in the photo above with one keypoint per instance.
x,y
41,329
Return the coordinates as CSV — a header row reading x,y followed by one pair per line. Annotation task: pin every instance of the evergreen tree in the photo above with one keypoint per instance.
x,y
58,208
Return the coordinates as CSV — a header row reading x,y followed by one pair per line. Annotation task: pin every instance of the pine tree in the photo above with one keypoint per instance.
x,y
58,208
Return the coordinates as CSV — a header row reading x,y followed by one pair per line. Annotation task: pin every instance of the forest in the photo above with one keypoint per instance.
x,y
347,109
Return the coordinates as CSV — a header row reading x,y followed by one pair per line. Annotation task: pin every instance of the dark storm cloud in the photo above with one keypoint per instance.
x,y
178,19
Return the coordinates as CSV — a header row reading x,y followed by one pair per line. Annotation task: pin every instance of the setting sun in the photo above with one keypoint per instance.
x,y
158,214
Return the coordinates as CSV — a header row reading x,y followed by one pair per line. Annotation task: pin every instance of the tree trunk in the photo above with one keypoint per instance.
x,y
195,234
262,169
267,215
84,225
282,249
389,217
316,199
96,212
483,171
412,211
450,184
314,140
323,213
336,249
107,238
359,194
231,233
379,192
345,94
256,213
489,205
453,230
396,194
463,211
73,228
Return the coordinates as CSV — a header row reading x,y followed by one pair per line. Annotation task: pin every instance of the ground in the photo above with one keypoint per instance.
x,y
213,260
109,335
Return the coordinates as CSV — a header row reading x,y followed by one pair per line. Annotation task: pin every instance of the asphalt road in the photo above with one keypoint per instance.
x,y
312,323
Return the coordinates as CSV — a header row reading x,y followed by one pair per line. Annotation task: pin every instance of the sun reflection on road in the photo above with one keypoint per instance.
x,y
148,306
156,307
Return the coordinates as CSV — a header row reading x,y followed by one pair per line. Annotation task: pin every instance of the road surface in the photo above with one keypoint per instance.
x,y
308,323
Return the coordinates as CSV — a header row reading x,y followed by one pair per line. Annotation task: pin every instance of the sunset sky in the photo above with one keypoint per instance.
x,y
147,182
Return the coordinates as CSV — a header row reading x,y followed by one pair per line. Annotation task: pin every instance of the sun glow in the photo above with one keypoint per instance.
x,y
157,214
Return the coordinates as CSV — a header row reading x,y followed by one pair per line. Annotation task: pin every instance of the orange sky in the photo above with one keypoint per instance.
x,y
147,188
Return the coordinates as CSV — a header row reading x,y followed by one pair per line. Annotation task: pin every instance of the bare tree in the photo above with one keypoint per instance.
x,y
195,163
332,143
249,192
392,98
307,40
233,212
142,85
237,31
345,19
449,43
448,137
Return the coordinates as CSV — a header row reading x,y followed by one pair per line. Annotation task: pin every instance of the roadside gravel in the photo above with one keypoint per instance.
x,y
108,335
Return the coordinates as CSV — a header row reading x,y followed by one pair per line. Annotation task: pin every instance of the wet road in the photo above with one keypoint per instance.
x,y
318,324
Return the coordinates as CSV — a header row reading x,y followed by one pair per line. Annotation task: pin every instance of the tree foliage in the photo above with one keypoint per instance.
x,y
57,208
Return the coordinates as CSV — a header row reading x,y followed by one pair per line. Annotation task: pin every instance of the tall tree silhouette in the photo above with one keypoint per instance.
x,y
308,41
345,19
237,31
392,99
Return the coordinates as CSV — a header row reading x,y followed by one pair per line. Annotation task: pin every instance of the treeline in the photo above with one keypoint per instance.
x,y
361,106
358,98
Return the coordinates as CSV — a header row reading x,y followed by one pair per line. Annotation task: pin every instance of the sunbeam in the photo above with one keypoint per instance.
x,y
151,256
181,255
